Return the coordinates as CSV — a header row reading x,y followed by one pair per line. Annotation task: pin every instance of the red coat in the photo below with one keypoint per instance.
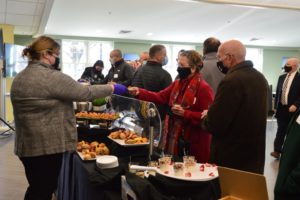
x,y
199,139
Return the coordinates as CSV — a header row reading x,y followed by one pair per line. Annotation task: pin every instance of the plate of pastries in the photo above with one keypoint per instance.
x,y
128,138
90,150
97,116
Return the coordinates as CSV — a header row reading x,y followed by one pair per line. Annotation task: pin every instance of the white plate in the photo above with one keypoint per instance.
x,y
81,156
196,175
107,161
122,143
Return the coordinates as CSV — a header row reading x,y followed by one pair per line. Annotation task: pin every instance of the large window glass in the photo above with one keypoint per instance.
x,y
256,56
79,54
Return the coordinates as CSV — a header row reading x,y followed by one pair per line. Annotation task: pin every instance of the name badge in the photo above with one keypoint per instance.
x,y
116,75
298,119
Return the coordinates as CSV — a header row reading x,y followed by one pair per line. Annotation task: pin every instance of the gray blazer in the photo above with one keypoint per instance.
x,y
43,110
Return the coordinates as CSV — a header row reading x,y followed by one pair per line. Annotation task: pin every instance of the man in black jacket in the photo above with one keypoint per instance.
x,y
120,72
287,100
152,76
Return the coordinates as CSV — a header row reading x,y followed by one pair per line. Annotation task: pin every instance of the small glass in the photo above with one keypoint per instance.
x,y
152,164
168,158
189,163
163,164
178,168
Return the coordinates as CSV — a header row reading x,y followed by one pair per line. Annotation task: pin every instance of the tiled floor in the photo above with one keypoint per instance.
x,y
13,182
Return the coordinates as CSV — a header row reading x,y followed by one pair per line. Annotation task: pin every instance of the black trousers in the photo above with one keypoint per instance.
x,y
42,174
283,120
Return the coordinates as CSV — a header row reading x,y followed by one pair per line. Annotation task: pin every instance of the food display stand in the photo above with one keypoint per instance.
x,y
82,179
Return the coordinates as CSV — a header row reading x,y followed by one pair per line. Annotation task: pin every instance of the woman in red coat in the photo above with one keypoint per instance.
x,y
187,98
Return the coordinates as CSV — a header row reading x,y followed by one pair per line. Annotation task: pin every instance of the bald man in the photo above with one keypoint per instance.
x,y
237,117
287,101
120,72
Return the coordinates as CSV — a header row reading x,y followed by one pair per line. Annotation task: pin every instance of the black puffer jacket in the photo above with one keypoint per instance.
x,y
120,73
152,77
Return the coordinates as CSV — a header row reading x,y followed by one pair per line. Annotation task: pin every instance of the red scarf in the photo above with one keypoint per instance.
x,y
184,93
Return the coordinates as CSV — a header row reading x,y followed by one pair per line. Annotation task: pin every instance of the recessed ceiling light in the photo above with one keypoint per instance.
x,y
149,34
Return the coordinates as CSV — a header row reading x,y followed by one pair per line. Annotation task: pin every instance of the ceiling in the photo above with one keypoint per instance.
x,y
256,22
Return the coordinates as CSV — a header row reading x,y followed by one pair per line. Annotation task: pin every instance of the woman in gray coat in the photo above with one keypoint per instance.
x,y
43,111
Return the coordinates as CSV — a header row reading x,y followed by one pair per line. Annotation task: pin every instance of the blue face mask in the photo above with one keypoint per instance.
x,y
165,61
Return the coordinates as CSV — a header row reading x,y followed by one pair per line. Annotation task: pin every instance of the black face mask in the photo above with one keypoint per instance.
x,y
221,67
287,68
183,72
56,64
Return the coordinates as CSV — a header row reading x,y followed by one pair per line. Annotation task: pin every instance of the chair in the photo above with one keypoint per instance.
x,y
5,131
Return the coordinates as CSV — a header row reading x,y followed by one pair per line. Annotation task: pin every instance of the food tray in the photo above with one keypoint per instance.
x,y
90,160
122,143
202,172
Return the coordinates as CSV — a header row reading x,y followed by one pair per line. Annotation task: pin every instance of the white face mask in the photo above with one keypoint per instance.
x,y
112,61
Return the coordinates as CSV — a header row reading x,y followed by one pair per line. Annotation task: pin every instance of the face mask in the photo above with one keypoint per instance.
x,y
112,61
221,67
144,62
287,68
183,72
56,63
165,61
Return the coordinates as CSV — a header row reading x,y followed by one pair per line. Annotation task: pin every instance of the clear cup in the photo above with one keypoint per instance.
x,y
189,163
168,158
163,164
178,168
152,164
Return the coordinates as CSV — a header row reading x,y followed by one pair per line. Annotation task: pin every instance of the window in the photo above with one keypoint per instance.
x,y
79,54
256,56
172,53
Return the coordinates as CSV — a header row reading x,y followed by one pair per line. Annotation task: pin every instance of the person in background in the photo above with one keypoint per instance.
x,y
287,101
120,71
187,98
42,99
210,71
237,117
94,74
152,76
144,56
288,180
177,59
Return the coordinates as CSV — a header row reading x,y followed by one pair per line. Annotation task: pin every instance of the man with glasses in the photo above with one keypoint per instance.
x,y
237,117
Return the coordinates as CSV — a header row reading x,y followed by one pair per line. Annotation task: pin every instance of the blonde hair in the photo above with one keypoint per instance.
x,y
40,45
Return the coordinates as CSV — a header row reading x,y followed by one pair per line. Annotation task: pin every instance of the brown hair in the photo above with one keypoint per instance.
x,y
155,49
194,58
40,45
